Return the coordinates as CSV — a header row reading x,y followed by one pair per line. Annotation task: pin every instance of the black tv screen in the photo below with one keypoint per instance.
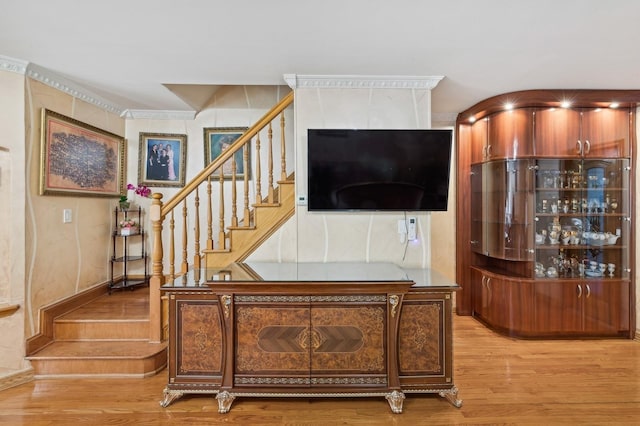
x,y
378,169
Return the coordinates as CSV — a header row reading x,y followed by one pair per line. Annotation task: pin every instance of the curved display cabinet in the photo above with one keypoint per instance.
x,y
547,248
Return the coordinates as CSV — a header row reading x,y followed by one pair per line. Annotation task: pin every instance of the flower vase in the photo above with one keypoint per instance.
x,y
124,205
130,230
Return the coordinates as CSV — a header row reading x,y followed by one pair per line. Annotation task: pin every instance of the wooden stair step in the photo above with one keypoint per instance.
x,y
98,358
116,329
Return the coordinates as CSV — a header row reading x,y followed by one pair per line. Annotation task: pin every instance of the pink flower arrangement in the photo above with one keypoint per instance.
x,y
128,223
140,190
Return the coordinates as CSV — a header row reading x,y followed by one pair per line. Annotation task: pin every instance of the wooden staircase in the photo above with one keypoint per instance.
x,y
266,219
107,337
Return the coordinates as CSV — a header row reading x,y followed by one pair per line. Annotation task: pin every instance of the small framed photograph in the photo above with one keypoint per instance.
x,y
162,159
217,139
79,159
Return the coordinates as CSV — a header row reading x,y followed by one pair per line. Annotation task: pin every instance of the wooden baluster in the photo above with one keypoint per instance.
x,y
222,244
172,247
283,160
246,219
258,171
234,197
157,278
270,197
196,255
185,263
209,216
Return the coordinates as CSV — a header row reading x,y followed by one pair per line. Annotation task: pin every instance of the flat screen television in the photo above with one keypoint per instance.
x,y
378,169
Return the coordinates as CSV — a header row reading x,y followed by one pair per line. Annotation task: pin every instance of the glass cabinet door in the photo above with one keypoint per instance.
x,y
582,218
477,206
502,195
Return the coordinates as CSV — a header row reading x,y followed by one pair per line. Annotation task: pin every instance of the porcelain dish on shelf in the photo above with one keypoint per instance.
x,y
593,274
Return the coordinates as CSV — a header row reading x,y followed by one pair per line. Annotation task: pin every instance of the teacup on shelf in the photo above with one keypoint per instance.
x,y
611,238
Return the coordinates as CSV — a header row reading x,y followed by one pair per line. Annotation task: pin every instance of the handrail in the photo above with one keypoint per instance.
x,y
159,211
226,154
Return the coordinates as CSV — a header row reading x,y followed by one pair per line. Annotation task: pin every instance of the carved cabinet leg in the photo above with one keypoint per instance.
x,y
225,399
170,396
395,399
451,395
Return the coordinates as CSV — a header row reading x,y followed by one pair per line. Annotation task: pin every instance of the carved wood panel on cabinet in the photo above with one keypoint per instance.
x,y
305,343
196,358
421,338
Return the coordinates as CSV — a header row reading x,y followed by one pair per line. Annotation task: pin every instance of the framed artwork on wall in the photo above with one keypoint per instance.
x,y
79,159
217,139
162,159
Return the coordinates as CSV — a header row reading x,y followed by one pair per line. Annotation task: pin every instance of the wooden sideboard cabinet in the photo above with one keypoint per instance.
x,y
255,337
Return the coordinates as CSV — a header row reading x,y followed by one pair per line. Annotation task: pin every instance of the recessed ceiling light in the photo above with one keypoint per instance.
x,y
508,106
614,105
565,104
472,119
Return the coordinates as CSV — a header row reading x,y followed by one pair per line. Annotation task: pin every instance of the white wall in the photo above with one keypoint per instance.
x,y
12,221
353,236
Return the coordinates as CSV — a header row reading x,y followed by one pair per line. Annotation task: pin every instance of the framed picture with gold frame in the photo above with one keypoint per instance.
x,y
162,159
217,139
79,159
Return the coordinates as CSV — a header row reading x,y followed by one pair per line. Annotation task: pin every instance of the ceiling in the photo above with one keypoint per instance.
x,y
169,55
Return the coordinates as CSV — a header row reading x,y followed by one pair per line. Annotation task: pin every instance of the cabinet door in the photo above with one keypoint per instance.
x,y
582,218
606,307
606,132
558,307
479,141
346,339
272,344
480,299
510,134
508,199
477,209
195,342
425,340
511,304
557,132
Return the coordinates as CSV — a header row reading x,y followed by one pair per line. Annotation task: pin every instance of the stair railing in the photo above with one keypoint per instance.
x,y
190,197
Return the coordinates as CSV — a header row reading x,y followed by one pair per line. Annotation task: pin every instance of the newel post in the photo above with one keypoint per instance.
x,y
157,277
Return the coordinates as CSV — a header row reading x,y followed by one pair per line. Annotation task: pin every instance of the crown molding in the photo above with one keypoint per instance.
x,y
148,114
51,79
361,81
48,77
13,65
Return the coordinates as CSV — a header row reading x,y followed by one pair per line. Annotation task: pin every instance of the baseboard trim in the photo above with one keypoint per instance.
x,y
16,378
49,313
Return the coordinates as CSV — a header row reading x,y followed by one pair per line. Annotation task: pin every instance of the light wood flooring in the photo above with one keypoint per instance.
x,y
501,381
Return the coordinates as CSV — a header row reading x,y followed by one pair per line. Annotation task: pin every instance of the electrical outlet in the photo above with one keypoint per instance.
x,y
66,216
412,232
302,200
